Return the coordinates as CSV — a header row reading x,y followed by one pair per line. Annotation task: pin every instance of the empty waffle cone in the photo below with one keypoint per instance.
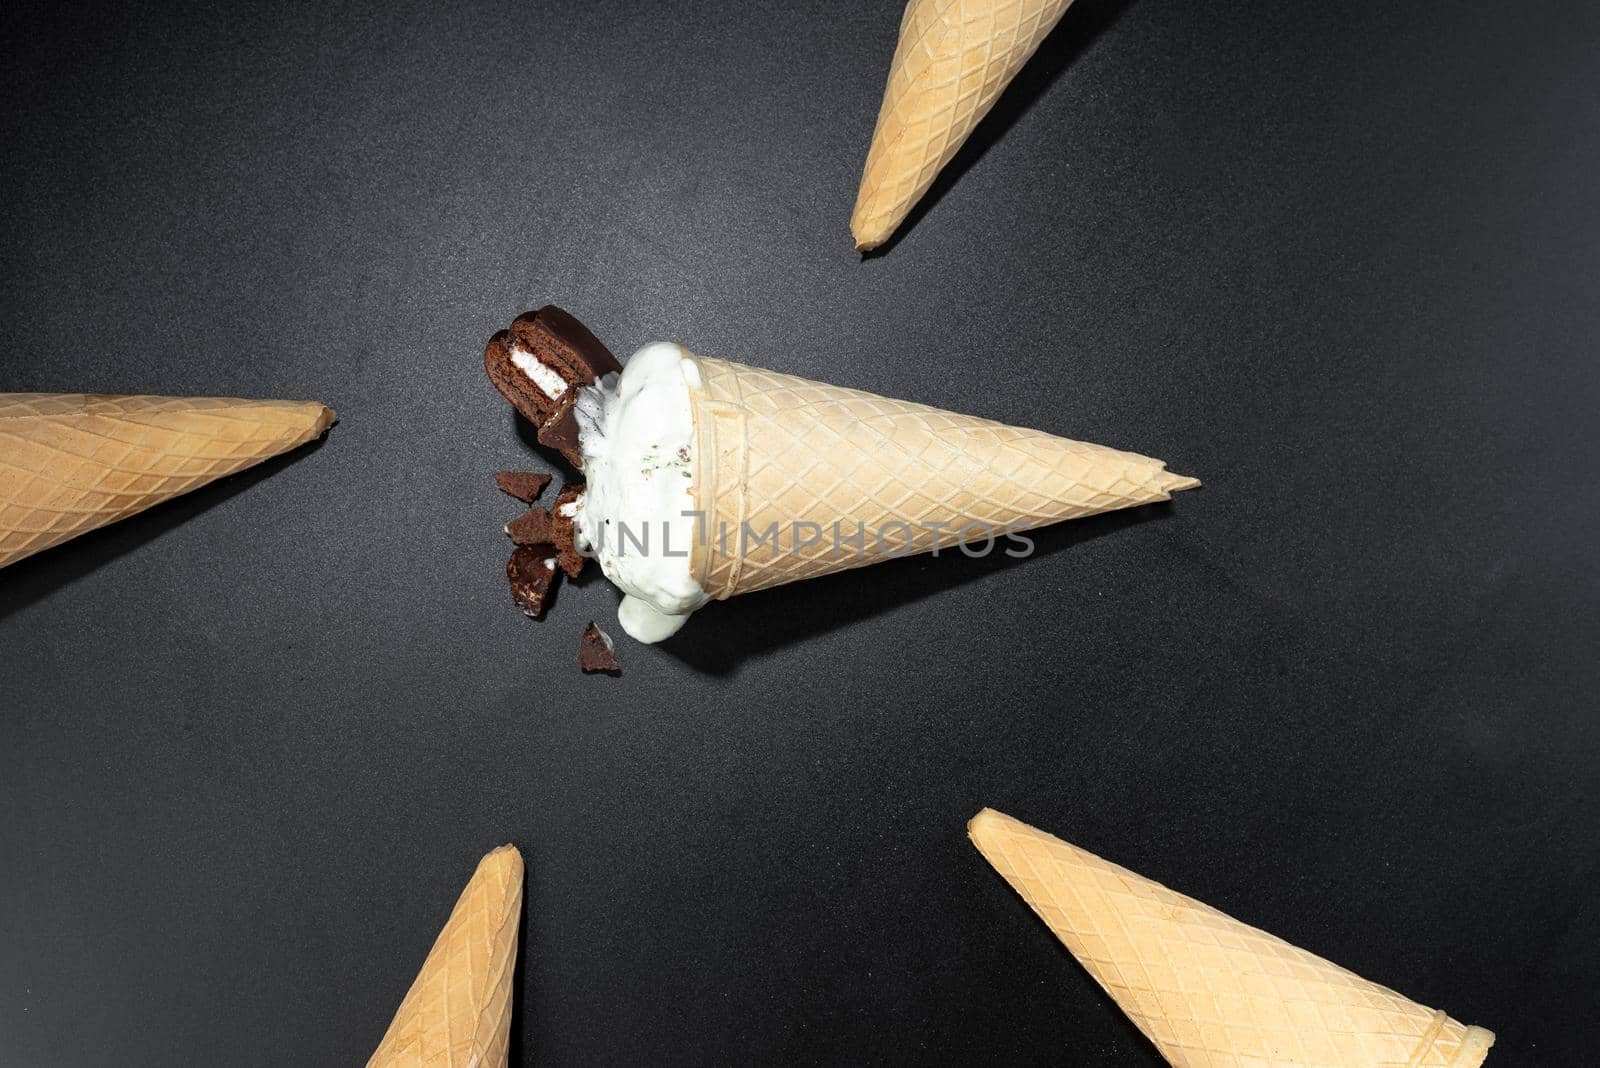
x,y
818,465
1206,989
954,59
71,462
457,1013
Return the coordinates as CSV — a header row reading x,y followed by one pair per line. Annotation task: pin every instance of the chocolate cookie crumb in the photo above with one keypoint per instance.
x,y
533,527
525,486
596,651
531,571
563,529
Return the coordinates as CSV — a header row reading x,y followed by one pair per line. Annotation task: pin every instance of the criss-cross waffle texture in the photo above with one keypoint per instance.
x,y
1209,991
71,462
842,478
457,1013
955,57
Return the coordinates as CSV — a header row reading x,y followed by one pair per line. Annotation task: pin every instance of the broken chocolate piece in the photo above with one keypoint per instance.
x,y
523,485
533,527
560,432
539,363
596,652
532,571
563,529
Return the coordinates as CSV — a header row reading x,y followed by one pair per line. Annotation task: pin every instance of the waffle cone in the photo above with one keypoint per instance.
x,y
782,452
71,462
954,59
457,1013
1206,989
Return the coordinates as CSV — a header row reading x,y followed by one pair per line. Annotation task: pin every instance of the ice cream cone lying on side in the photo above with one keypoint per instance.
x,y
457,1013
71,462
1208,990
954,59
708,479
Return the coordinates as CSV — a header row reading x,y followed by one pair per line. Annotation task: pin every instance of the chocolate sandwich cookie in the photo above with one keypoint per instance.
x,y
596,652
532,571
539,364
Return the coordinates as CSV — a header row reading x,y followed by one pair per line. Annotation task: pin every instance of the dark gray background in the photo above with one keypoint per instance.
x,y
1338,260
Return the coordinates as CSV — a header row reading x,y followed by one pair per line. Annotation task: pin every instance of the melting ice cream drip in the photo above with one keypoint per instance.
x,y
637,514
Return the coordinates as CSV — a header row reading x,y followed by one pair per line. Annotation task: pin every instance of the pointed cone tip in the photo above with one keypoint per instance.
x,y
868,234
984,814
507,856
987,821
1475,1047
1172,482
318,417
